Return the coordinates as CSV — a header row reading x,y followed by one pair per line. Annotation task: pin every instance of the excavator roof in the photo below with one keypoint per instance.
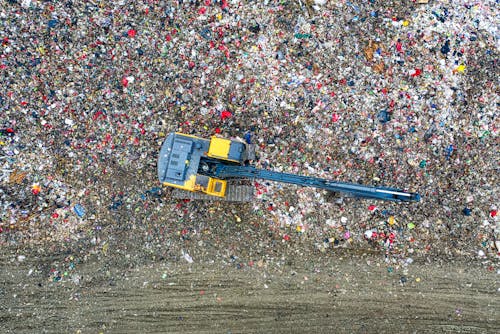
x,y
180,156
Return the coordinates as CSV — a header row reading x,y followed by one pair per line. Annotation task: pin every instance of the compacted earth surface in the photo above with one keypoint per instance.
x,y
292,292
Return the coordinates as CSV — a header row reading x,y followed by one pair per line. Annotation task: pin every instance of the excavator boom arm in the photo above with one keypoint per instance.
x,y
224,171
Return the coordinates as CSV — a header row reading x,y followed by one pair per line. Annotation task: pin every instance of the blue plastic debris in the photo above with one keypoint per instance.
x,y
383,116
248,137
79,210
446,47
449,151
116,205
153,192
53,23
206,33
440,17
117,202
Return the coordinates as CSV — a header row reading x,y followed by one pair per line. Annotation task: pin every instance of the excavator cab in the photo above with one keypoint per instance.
x,y
181,162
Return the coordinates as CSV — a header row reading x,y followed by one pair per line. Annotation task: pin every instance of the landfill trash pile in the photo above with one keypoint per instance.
x,y
377,92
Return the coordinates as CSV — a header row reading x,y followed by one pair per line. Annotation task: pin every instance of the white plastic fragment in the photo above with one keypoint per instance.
x,y
187,257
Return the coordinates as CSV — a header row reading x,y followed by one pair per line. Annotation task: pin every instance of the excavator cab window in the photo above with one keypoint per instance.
x,y
218,187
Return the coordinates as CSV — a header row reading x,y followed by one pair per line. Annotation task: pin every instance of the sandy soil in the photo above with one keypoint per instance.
x,y
330,293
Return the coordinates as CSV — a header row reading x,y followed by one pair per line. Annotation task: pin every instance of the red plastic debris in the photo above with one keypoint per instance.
x,y
416,72
372,207
124,82
99,114
335,118
35,190
225,114
399,47
286,237
131,33
493,213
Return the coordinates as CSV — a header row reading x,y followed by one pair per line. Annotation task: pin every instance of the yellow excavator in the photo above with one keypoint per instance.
x,y
201,168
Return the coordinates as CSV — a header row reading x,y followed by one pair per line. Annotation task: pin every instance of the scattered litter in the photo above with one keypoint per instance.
x,y
79,210
187,257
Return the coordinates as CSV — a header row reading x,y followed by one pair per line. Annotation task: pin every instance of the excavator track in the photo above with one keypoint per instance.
x,y
234,193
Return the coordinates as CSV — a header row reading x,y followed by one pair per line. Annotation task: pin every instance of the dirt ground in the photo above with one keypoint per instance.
x,y
329,293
